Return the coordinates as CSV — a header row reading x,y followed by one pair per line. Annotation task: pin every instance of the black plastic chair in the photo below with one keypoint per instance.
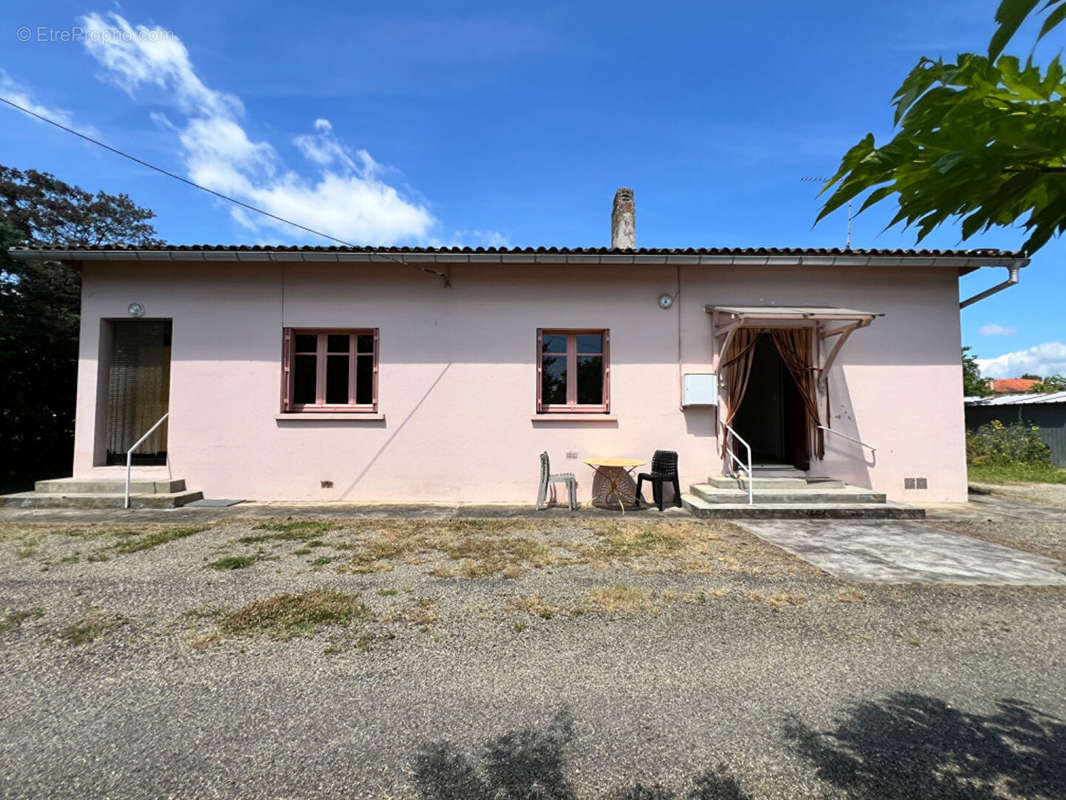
x,y
663,468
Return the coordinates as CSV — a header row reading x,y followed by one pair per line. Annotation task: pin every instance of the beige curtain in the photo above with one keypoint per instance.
x,y
735,370
795,347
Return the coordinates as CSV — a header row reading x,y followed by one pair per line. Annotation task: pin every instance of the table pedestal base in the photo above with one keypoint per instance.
x,y
613,488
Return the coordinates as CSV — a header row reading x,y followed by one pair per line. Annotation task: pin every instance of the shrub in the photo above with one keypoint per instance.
x,y
997,444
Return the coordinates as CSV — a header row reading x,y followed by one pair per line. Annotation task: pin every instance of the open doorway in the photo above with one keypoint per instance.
x,y
138,389
771,417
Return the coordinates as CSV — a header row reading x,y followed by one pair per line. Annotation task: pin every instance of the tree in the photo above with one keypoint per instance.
x,y
1052,383
981,139
973,385
1029,376
39,303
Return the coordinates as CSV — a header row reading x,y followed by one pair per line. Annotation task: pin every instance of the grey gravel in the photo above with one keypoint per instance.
x,y
784,680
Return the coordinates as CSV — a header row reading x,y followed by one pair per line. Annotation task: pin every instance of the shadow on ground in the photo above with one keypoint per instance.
x,y
911,745
531,763
901,746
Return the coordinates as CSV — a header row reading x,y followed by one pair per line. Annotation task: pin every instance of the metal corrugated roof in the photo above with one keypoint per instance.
x,y
1017,399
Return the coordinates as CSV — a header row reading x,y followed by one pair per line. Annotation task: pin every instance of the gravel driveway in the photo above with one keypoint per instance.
x,y
560,658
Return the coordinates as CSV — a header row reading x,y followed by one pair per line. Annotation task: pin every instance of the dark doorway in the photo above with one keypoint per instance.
x,y
771,417
138,389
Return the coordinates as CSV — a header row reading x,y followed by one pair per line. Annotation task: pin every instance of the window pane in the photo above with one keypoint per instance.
x,y
553,380
590,343
364,380
338,342
337,380
553,343
306,343
590,380
365,343
303,380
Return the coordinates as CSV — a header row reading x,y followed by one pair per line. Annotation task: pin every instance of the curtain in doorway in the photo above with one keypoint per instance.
x,y
735,371
796,348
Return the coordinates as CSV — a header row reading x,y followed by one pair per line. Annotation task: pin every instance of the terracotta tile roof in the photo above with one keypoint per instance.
x,y
1008,385
650,251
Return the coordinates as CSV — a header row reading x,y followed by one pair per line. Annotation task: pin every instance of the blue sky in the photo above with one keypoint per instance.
x,y
483,123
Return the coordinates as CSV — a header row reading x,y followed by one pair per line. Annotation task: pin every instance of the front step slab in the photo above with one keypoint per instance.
x,y
701,508
758,482
99,500
811,493
108,486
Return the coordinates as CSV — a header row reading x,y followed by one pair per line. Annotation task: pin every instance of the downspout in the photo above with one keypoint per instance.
x,y
1012,279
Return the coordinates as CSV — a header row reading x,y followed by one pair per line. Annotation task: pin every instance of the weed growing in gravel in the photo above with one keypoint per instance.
x,y
233,562
91,628
388,592
321,561
13,618
287,615
301,530
154,539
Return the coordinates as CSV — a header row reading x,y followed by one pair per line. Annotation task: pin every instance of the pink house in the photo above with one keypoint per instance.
x,y
440,374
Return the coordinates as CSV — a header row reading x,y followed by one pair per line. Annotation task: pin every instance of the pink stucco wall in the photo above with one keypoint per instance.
x,y
458,374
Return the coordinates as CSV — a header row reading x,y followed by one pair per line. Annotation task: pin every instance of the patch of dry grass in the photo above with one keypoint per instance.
x,y
779,600
284,616
534,605
421,612
615,599
849,595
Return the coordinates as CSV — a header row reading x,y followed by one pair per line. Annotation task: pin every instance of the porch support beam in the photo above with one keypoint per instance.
x,y
844,332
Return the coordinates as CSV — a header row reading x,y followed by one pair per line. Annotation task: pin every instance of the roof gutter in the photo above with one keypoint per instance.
x,y
1013,276
966,263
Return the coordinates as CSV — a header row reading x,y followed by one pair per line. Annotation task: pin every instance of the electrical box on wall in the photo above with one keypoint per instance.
x,y
699,389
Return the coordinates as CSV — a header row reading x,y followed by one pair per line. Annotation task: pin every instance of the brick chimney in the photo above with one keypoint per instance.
x,y
623,221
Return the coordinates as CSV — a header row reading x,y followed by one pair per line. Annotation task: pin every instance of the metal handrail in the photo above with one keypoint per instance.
x,y
849,438
129,455
733,456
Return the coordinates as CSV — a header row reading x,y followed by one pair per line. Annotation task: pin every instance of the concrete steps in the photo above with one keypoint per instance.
x,y
699,507
102,493
108,486
790,494
809,493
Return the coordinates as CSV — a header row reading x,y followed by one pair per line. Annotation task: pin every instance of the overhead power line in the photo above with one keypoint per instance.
x,y
201,187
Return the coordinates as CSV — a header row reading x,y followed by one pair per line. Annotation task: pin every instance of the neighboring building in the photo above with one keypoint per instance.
x,y
439,374
1045,411
1011,385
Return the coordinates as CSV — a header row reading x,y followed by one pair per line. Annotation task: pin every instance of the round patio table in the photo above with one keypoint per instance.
x,y
613,483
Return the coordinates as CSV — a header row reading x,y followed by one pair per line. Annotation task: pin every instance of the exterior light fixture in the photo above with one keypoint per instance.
x,y
136,310
665,301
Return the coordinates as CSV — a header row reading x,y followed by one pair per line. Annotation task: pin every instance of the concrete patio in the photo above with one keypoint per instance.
x,y
906,552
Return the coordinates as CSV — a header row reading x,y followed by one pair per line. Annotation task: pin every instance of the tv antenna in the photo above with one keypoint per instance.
x,y
830,180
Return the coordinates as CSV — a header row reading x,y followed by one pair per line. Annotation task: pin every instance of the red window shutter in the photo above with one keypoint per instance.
x,y
607,371
376,346
286,369
540,370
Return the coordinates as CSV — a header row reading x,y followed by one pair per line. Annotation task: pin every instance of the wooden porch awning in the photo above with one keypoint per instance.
x,y
756,313
726,320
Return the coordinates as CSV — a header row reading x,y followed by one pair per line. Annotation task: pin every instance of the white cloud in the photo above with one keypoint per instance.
x,y
1048,358
995,329
19,94
347,198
